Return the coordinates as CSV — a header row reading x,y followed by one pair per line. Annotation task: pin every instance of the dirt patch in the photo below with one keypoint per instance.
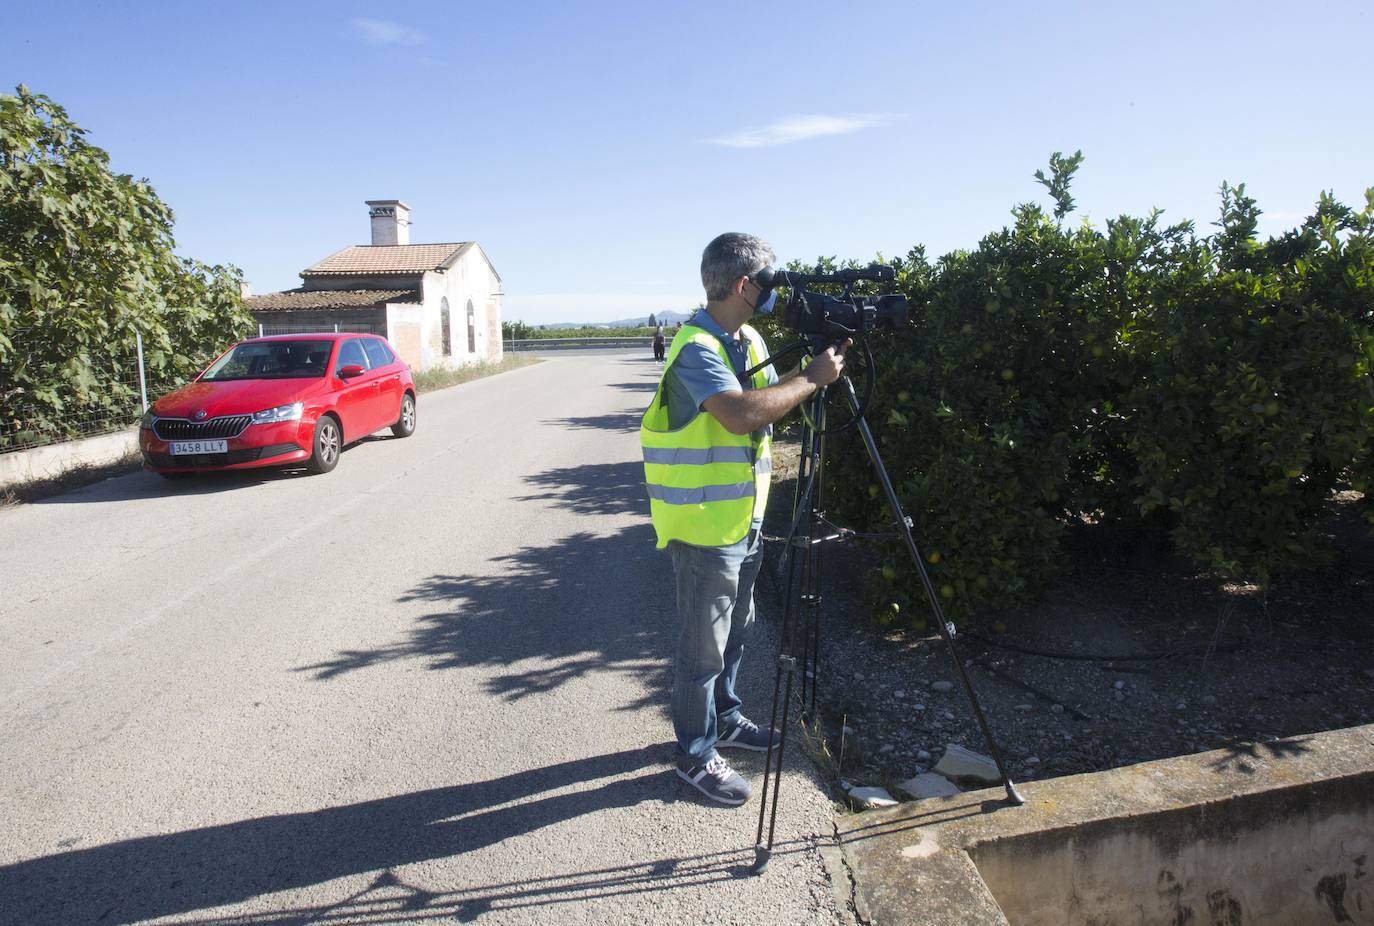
x,y
69,479
1131,656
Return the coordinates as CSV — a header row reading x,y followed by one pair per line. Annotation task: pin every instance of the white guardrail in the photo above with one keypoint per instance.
x,y
529,344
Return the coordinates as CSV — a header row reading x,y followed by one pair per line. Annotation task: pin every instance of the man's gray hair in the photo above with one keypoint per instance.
x,y
729,257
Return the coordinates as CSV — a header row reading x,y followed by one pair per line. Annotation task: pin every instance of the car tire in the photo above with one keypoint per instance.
x,y
326,445
405,421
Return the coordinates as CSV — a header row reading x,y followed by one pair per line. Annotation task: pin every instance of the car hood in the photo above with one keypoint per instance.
x,y
234,397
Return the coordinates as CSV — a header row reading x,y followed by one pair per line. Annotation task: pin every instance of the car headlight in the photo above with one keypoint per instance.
x,y
290,412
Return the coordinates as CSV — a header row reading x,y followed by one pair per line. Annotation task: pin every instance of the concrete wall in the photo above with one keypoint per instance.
x,y
1278,833
55,459
1280,858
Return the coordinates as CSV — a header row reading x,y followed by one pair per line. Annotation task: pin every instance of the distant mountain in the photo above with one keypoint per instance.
x,y
667,317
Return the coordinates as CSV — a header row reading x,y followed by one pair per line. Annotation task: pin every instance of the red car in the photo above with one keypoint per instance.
x,y
277,401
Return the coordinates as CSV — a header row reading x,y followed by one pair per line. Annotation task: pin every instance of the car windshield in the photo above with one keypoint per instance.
x,y
272,360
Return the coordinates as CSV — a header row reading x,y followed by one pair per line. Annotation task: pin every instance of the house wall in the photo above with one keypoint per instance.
x,y
277,322
470,278
405,327
339,283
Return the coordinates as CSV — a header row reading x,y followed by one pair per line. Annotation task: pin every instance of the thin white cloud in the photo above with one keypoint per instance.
x,y
384,32
800,128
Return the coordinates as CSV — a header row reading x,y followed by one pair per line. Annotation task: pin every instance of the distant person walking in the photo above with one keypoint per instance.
x,y
658,343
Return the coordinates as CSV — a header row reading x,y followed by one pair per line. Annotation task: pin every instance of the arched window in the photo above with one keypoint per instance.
x,y
472,330
445,327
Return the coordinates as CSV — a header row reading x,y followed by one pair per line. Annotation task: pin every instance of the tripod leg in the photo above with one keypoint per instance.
x,y
811,570
763,852
768,759
1013,797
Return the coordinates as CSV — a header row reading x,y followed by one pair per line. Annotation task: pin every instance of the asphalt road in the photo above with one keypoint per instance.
x,y
428,686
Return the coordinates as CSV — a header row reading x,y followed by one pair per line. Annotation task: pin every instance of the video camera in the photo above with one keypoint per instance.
x,y
820,315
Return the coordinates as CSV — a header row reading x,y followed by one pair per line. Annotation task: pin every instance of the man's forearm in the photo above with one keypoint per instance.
x,y
744,412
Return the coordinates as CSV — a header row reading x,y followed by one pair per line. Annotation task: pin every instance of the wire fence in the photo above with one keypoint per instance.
x,y
48,396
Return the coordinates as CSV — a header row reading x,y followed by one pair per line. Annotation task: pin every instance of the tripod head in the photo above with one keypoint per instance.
x,y
810,346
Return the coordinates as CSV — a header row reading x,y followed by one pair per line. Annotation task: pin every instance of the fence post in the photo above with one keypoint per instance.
x,y
336,327
259,329
142,377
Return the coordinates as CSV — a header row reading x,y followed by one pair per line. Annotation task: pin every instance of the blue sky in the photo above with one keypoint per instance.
x,y
594,148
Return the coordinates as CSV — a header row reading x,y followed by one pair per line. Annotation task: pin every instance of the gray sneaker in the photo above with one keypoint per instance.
x,y
745,734
717,780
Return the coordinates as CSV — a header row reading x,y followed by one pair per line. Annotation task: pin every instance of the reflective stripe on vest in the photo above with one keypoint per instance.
x,y
724,493
706,485
695,457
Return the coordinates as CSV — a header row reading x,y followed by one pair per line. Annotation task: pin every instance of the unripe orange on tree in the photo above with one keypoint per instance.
x,y
1293,472
1271,408
1008,374
873,490
889,573
1097,350
946,591
903,396
933,558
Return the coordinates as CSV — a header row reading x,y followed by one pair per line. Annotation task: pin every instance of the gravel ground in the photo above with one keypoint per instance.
x,y
1214,665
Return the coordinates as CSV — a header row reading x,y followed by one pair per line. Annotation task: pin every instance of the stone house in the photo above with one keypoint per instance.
x,y
438,304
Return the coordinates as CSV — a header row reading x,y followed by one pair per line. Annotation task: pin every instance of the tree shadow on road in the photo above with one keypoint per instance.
x,y
596,488
164,875
548,614
618,421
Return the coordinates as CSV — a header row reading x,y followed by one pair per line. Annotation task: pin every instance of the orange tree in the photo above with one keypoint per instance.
x,y
1253,400
1213,387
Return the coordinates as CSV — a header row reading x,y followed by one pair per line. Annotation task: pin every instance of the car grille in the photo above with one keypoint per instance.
x,y
183,429
190,461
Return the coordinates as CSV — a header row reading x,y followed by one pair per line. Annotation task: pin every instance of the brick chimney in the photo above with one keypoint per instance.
x,y
390,221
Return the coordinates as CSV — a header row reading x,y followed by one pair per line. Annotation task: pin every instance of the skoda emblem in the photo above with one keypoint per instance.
x,y
200,415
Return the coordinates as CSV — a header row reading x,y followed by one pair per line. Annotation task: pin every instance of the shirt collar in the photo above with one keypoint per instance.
x,y
706,322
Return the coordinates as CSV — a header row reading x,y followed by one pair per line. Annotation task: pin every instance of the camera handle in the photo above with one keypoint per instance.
x,y
807,502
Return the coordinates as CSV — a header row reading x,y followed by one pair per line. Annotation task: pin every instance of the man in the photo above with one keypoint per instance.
x,y
706,439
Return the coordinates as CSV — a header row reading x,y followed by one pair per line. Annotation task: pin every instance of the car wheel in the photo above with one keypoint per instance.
x,y
324,455
405,422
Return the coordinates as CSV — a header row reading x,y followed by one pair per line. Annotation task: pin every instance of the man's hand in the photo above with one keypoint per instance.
x,y
745,412
827,366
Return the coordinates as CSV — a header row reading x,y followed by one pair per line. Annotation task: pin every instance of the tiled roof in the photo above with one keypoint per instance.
x,y
301,299
380,259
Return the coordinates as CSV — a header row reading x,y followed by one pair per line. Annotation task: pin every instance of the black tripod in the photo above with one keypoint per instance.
x,y
801,631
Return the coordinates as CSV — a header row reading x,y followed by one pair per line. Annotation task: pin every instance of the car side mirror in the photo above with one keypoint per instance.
x,y
350,370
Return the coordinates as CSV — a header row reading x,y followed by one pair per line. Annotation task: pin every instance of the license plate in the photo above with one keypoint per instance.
x,y
183,447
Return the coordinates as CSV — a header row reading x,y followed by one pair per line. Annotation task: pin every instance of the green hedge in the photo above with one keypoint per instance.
x,y
1214,388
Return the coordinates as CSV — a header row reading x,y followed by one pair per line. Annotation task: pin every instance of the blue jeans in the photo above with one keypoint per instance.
x,y
715,609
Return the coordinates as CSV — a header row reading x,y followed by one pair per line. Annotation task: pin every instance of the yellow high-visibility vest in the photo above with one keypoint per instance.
x,y
706,485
